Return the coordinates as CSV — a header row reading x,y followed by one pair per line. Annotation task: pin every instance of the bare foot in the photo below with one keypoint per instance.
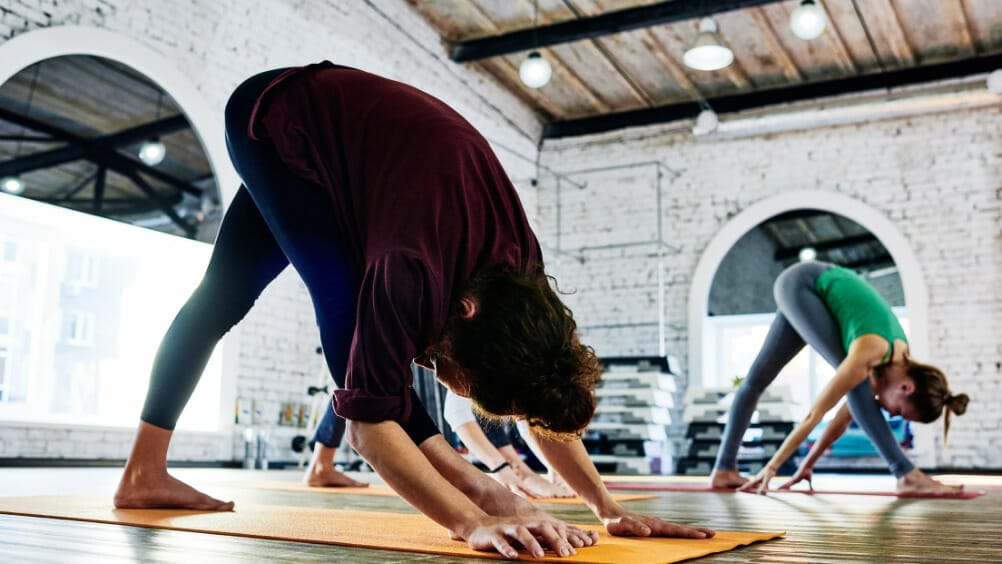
x,y
158,489
919,482
727,479
326,476
544,486
560,485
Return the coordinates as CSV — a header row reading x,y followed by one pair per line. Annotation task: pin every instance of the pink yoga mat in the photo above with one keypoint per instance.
x,y
647,487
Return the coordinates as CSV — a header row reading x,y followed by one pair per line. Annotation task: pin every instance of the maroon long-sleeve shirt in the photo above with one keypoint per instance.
x,y
420,200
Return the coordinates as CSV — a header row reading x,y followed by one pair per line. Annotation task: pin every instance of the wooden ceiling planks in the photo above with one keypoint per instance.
x,y
984,19
937,30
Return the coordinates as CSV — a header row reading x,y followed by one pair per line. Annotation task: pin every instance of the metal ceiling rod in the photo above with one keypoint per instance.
x,y
165,206
764,98
829,245
595,26
101,150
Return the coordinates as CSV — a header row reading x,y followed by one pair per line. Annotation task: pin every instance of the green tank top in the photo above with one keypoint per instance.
x,y
858,308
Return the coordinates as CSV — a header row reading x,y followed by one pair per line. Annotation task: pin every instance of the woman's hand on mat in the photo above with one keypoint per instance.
x,y
503,534
803,473
760,483
629,524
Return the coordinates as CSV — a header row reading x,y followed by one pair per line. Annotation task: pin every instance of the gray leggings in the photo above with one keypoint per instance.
x,y
803,318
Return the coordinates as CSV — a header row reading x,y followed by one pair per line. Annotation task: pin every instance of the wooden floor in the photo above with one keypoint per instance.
x,y
820,528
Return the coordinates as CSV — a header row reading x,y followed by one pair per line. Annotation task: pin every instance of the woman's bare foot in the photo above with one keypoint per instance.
x,y
326,476
158,489
146,484
560,485
322,474
919,482
545,487
727,479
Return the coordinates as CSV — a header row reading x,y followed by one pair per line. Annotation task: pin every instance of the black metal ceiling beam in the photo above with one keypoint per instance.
x,y
764,98
165,205
872,263
100,150
102,174
73,190
157,128
43,159
595,26
802,213
832,244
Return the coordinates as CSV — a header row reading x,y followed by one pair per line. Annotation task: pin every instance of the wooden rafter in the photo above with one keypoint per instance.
x,y
790,70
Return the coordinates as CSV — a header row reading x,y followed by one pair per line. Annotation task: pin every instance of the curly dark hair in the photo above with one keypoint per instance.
x,y
521,354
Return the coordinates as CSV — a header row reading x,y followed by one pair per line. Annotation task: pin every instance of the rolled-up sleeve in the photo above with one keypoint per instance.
x,y
396,313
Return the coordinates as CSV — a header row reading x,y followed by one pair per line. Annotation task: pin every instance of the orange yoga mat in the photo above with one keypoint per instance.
x,y
389,531
663,487
379,489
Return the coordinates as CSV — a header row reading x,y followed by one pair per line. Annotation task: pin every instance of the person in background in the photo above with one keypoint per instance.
x,y
843,318
490,443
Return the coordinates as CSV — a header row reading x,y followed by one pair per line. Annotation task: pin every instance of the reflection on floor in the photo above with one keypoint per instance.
x,y
820,528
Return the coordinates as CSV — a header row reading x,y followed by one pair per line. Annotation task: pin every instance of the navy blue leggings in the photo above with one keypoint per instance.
x,y
275,218
803,318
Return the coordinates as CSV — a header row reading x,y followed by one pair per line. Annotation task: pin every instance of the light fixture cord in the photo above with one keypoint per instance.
x,y
535,25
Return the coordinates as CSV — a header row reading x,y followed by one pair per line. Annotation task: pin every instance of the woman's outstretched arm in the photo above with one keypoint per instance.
x,y
864,354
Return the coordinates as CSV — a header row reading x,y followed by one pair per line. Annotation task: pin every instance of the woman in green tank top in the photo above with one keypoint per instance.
x,y
837,313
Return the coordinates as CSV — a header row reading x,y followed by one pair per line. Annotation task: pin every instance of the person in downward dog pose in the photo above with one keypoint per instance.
x,y
414,246
843,318
489,441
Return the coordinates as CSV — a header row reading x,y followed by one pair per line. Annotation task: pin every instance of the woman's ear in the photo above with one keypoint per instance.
x,y
907,386
467,308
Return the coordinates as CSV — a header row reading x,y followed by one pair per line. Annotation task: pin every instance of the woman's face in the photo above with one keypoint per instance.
x,y
897,401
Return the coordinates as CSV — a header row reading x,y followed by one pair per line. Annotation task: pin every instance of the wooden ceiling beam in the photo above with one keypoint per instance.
x,y
765,98
591,27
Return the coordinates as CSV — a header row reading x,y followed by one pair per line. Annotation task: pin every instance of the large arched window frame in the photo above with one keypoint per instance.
x,y
34,46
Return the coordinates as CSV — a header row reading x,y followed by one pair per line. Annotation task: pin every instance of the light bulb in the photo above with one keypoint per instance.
x,y
12,185
535,71
707,53
808,20
706,122
807,254
152,152
995,82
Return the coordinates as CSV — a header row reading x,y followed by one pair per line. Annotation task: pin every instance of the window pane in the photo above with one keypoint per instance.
x,y
9,251
93,299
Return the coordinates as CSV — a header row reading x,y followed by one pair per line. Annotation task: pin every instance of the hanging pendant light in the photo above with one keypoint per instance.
x,y
706,122
12,184
706,53
152,152
808,20
535,71
994,82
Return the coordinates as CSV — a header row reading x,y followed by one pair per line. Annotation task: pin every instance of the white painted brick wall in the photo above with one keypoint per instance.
x,y
937,177
217,44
